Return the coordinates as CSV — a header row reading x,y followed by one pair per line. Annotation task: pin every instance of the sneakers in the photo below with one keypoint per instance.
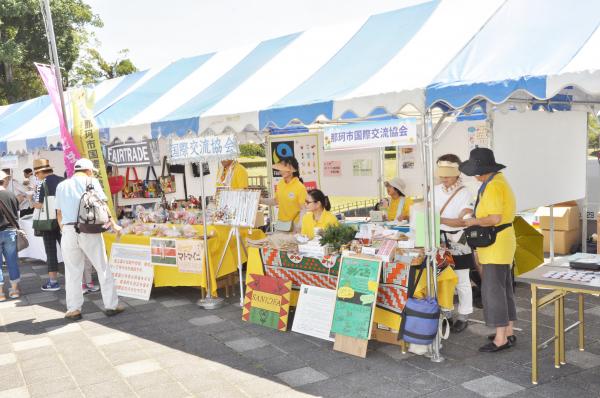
x,y
120,308
89,288
51,286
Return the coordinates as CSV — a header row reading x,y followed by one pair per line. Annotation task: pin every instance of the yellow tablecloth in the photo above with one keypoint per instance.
x,y
170,276
446,283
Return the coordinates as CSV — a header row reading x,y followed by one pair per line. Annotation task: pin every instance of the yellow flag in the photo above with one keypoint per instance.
x,y
87,137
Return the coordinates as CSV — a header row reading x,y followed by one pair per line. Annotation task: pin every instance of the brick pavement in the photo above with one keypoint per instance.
x,y
168,346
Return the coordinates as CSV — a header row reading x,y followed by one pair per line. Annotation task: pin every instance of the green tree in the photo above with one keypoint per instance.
x,y
23,41
593,131
92,67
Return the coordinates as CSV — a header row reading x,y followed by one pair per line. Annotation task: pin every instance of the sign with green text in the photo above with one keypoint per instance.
x,y
356,296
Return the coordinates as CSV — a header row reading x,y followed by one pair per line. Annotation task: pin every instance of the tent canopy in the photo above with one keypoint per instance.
x,y
446,52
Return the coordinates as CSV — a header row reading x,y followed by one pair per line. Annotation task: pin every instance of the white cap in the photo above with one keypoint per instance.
x,y
84,164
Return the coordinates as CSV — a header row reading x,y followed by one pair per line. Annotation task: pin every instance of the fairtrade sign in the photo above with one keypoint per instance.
x,y
132,154
377,134
358,283
212,147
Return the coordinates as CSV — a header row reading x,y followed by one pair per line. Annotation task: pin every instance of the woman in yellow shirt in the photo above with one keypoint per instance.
x,y
495,207
318,215
398,205
290,194
232,175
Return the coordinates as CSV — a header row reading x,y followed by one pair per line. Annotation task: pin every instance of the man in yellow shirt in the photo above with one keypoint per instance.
x,y
232,175
495,207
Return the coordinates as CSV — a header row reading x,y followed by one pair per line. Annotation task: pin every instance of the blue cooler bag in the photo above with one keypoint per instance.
x,y
420,318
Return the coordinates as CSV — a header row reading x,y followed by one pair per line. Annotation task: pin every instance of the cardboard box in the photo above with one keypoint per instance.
x,y
385,334
565,218
564,241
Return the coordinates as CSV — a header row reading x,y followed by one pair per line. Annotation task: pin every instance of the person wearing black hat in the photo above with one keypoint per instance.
x,y
495,208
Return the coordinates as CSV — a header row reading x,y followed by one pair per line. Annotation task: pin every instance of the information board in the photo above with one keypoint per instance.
x,y
356,296
314,312
132,270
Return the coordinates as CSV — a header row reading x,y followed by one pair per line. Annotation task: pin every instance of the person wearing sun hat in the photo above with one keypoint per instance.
x,y
48,181
454,201
398,205
495,206
290,195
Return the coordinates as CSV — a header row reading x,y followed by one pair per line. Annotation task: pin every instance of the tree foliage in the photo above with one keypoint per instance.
x,y
23,41
92,67
593,131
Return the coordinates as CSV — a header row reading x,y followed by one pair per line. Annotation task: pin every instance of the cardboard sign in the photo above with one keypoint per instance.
x,y
132,154
332,168
356,296
267,301
164,252
190,255
132,270
374,134
314,312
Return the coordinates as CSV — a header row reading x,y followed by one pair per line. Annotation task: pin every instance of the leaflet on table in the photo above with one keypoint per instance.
x,y
132,270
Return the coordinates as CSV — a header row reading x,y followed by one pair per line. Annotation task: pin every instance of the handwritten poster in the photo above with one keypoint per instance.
x,y
190,255
332,168
356,296
164,252
478,135
305,148
267,301
132,270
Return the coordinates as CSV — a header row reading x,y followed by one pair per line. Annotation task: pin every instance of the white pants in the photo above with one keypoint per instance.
x,y
464,291
87,271
75,247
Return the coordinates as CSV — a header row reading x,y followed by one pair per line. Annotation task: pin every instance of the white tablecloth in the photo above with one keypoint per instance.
x,y
36,243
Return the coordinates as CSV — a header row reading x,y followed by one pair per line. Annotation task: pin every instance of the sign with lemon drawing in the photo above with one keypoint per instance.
x,y
356,296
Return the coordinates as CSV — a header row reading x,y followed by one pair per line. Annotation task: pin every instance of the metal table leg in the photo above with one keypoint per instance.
x,y
561,304
534,368
557,333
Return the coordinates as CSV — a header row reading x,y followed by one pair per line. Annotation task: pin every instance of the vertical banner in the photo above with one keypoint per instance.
x,y
87,137
71,154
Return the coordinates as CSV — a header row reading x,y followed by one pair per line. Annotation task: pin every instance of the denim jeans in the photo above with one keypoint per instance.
x,y
8,248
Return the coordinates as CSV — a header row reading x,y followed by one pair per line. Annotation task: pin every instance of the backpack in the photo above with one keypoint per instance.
x,y
93,214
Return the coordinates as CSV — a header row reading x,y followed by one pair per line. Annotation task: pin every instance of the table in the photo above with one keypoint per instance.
x,y
322,272
36,247
170,276
558,290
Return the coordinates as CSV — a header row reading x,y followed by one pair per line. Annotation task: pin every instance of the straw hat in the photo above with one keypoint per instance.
x,y
447,169
397,183
41,165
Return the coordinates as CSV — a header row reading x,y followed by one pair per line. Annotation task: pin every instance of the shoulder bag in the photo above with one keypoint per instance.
x,y
46,217
132,188
151,187
167,181
22,241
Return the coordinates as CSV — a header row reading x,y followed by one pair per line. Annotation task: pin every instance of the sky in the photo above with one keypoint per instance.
x,y
157,32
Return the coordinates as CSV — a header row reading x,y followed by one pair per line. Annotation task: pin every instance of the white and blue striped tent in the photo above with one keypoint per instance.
x,y
437,53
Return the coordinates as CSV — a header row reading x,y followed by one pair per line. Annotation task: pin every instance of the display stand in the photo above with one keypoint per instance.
x,y
244,212
203,149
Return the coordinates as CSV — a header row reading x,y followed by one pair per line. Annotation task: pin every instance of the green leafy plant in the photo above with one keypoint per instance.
x,y
337,235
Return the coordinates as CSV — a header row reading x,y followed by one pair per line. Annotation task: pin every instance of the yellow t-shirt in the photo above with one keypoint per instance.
x,y
309,223
290,199
393,208
239,179
498,198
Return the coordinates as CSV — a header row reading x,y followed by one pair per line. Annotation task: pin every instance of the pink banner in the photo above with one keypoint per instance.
x,y
71,154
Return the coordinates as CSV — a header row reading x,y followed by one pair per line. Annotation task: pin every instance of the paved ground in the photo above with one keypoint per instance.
x,y
170,347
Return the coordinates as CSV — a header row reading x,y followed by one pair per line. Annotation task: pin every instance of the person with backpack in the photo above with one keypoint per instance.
x,y
83,215
45,191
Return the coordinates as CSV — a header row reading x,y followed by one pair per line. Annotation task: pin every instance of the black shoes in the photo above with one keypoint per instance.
x,y
491,347
511,339
458,326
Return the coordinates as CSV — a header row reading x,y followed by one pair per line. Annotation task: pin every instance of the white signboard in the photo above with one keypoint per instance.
x,y
132,270
204,148
314,312
376,134
9,162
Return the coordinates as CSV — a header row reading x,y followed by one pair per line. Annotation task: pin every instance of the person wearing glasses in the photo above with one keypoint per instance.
x,y
398,204
318,215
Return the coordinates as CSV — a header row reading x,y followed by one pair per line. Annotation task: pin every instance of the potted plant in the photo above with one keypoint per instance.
x,y
337,236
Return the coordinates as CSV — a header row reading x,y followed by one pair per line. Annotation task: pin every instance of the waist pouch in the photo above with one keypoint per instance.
x,y
478,236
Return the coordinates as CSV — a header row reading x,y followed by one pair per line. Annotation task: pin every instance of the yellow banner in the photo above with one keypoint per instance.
x,y
87,137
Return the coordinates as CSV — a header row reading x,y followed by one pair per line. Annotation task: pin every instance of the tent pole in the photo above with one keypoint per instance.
x,y
436,356
584,217
551,233
269,154
381,178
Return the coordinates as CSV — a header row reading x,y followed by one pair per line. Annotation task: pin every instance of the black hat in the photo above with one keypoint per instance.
x,y
481,161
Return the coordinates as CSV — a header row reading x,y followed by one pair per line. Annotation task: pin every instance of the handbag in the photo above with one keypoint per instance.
x,y
22,241
443,256
132,188
116,182
167,181
46,216
151,188
420,317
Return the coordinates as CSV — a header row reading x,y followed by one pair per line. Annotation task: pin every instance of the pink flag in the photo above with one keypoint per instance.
x,y
71,154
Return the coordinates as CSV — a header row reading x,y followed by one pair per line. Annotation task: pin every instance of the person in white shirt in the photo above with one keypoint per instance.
x,y
23,193
454,202
76,245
